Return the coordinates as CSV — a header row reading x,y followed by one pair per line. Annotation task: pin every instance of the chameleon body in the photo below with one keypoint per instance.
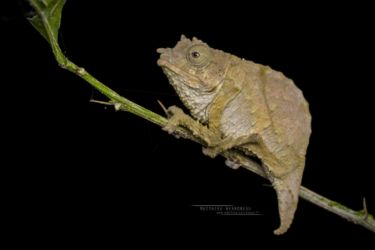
x,y
238,104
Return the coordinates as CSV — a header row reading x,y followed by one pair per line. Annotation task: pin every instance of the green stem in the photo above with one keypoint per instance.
x,y
123,103
361,217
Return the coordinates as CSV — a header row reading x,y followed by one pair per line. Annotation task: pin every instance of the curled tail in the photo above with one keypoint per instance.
x,y
287,189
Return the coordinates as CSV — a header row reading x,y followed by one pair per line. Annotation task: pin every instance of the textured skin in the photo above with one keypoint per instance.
x,y
243,105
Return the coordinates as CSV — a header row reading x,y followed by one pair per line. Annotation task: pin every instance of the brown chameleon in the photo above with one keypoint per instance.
x,y
238,104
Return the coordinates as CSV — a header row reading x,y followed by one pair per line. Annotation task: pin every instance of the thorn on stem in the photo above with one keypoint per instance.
x,y
117,106
163,107
101,102
81,71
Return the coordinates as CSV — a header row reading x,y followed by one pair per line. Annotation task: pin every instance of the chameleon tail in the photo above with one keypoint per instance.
x,y
287,189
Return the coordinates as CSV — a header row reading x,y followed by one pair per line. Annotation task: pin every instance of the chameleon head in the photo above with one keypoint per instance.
x,y
196,71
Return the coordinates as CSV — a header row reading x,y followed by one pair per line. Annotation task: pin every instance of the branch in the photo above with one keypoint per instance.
x,y
47,22
361,217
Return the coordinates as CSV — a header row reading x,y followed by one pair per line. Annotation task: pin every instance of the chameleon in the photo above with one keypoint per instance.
x,y
236,104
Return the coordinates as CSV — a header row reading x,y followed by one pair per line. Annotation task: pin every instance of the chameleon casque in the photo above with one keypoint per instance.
x,y
238,104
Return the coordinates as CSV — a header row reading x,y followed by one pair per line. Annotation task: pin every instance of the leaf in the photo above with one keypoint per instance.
x,y
48,17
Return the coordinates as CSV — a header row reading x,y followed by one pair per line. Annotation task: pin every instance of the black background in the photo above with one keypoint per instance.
x,y
78,170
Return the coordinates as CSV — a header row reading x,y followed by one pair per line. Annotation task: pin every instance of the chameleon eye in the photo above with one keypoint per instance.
x,y
195,54
199,55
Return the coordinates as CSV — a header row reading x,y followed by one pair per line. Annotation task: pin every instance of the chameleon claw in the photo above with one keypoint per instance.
x,y
211,151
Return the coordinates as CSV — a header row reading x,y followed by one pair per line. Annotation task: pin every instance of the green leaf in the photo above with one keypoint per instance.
x,y
48,17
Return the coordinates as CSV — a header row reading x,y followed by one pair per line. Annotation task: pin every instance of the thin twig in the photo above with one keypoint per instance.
x,y
362,217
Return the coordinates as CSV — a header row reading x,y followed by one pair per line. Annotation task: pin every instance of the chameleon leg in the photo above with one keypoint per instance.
x,y
227,143
179,118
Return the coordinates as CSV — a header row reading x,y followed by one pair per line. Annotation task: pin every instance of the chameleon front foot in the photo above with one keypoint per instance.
x,y
211,151
175,117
